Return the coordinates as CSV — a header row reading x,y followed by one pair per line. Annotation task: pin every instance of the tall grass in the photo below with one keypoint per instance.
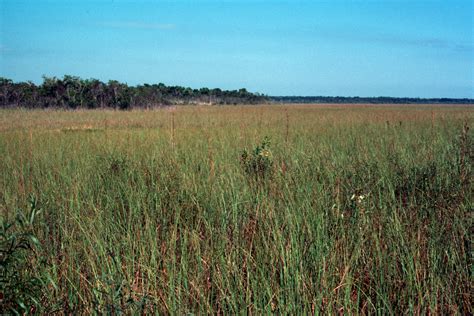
x,y
367,209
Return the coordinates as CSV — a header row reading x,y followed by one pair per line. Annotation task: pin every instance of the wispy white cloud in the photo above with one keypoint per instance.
x,y
430,42
138,25
398,39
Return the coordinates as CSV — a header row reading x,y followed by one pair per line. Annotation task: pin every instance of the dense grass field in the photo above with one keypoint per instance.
x,y
349,209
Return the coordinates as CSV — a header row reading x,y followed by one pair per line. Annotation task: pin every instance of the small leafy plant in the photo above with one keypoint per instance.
x,y
20,286
113,295
259,162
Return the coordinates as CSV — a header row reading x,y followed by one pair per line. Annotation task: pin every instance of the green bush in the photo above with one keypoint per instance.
x,y
20,286
259,162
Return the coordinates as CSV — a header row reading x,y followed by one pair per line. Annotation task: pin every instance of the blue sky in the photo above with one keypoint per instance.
x,y
365,48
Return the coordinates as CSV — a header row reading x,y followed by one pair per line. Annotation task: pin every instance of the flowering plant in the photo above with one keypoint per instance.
x,y
258,162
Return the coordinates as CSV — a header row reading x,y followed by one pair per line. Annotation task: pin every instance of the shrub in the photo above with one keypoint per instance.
x,y
20,286
259,162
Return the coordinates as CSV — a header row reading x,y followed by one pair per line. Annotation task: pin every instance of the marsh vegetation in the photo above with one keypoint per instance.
x,y
258,209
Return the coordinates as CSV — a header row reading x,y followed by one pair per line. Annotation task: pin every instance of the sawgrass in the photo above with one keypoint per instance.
x,y
366,208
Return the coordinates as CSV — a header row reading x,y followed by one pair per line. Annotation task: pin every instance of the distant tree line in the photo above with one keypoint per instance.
x,y
73,92
373,100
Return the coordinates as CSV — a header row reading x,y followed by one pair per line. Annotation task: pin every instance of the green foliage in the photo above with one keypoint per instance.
x,y
20,283
258,163
367,100
72,92
113,295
